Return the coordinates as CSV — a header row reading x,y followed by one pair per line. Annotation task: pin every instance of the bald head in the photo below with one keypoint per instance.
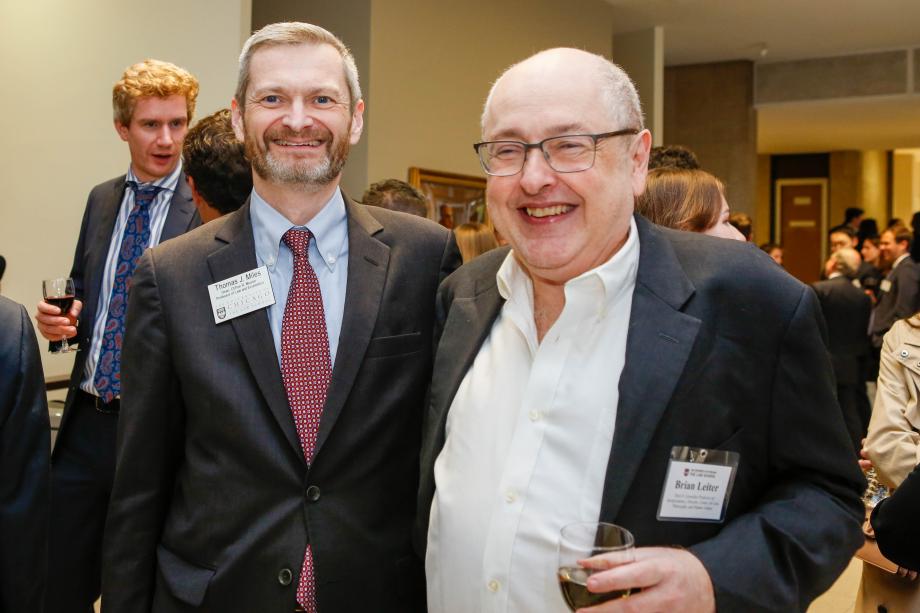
x,y
846,261
576,73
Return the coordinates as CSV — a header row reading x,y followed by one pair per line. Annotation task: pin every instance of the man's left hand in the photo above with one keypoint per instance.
x,y
671,580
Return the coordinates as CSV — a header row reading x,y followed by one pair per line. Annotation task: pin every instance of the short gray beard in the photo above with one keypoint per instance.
x,y
275,171
303,175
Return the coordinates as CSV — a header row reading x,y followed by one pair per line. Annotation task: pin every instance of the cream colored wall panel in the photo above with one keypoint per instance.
x,y
432,65
60,60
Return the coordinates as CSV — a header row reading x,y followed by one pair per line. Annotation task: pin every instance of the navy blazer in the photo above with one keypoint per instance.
x,y
89,260
725,351
25,438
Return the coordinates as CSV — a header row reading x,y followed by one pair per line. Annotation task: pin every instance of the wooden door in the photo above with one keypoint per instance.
x,y
801,208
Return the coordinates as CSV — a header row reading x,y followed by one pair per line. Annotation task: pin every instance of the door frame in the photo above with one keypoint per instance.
x,y
778,186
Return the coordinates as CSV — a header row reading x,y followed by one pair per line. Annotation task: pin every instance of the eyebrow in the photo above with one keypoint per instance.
x,y
328,89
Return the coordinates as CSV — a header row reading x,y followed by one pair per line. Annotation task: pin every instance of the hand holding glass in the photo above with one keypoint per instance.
x,y
583,540
60,293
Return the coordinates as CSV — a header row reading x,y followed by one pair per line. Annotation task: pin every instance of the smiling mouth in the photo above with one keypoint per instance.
x,y
548,211
305,145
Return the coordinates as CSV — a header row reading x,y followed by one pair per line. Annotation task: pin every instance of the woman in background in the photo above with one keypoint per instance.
x,y
474,239
691,200
893,445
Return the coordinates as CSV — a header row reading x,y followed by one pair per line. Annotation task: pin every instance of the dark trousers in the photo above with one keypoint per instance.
x,y
854,403
82,472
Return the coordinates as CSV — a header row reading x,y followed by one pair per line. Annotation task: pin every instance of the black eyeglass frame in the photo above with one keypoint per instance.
x,y
539,145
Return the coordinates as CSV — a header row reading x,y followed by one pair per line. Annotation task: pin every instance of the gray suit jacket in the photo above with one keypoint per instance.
x,y
25,484
901,300
89,261
725,351
213,503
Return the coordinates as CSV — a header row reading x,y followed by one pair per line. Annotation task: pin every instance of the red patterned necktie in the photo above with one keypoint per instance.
x,y
305,370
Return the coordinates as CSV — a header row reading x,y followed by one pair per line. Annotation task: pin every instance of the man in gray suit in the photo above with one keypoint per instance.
x,y
153,104
607,369
276,366
899,292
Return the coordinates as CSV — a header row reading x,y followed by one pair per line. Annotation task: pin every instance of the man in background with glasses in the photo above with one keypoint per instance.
x,y
572,369
153,104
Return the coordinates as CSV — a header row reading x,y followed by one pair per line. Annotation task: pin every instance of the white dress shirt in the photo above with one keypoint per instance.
x,y
528,439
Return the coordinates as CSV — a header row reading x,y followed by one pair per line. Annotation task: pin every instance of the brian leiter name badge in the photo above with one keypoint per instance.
x,y
698,484
245,293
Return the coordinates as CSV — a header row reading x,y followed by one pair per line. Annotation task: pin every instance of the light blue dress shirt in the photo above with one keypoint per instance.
x,y
328,256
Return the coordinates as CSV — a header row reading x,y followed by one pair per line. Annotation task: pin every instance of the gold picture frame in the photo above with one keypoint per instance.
x,y
452,199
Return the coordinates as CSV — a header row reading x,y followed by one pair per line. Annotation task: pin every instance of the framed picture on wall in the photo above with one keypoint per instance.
x,y
453,199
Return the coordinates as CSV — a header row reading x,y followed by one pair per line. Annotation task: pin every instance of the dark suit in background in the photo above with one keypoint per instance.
x,y
25,480
725,351
84,453
846,310
214,504
901,298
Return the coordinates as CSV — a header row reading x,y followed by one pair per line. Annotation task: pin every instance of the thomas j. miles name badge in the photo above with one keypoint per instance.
x,y
245,293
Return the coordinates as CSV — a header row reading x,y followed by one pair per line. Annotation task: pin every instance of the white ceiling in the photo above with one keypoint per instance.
x,y
701,31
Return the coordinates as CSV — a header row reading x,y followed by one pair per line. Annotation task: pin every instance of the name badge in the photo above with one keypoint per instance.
x,y
698,484
245,293
885,285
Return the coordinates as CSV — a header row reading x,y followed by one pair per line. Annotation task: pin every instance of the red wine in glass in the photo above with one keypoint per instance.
x,y
60,293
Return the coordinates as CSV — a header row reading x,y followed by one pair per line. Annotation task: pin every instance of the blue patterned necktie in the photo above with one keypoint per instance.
x,y
107,379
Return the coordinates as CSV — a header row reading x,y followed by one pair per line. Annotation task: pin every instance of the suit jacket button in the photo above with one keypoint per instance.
x,y
313,493
285,576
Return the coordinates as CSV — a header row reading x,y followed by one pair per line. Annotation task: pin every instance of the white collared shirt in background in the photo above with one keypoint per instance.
x,y
528,439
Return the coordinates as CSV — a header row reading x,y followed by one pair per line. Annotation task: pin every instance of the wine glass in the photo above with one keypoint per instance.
x,y
59,293
583,540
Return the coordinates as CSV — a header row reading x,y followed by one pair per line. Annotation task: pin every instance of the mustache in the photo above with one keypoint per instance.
x,y
311,132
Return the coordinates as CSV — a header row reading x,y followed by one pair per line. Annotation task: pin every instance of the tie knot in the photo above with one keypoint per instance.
x,y
144,194
297,240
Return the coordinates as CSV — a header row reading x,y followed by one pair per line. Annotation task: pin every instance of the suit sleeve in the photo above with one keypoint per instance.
x,y
148,450
805,529
893,443
25,440
894,520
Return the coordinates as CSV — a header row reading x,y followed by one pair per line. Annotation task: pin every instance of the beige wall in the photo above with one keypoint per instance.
x,y
905,197
846,187
709,108
641,54
874,188
433,63
60,60
762,218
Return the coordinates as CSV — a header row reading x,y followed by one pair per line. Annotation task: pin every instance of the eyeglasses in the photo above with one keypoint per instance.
x,y
568,153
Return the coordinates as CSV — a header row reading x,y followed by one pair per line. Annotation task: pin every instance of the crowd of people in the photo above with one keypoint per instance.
x,y
287,400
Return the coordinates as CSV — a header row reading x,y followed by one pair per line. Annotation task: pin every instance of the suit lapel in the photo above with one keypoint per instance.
x,y
368,259
468,324
100,240
253,330
181,211
658,344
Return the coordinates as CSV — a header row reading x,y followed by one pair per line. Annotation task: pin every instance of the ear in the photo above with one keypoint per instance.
x,y
639,152
122,130
357,123
236,118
